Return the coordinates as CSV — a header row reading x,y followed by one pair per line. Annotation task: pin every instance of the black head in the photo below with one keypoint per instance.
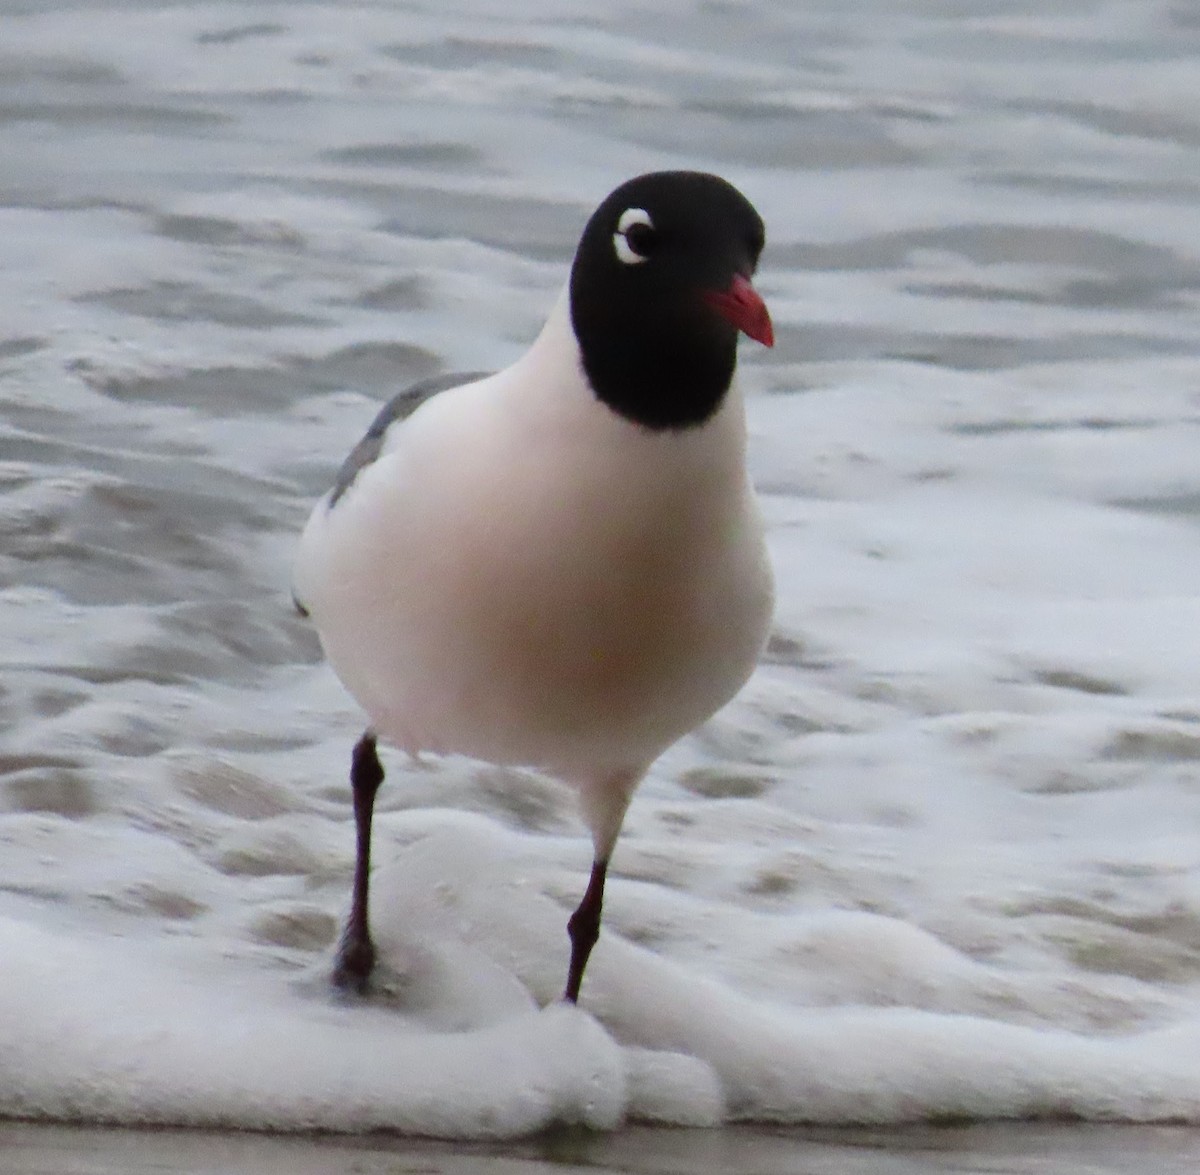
x,y
659,290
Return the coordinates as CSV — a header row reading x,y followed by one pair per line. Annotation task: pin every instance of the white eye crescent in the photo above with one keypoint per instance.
x,y
634,236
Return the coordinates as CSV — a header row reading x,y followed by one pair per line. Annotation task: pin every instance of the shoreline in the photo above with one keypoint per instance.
x,y
28,1148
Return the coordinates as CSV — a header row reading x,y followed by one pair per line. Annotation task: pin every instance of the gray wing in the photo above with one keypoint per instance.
x,y
399,407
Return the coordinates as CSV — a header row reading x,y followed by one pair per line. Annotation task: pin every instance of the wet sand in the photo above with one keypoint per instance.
x,y
1010,1149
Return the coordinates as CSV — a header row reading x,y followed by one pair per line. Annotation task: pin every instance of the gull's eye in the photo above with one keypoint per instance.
x,y
635,237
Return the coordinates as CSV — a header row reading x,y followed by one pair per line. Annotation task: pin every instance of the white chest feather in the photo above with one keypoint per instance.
x,y
525,577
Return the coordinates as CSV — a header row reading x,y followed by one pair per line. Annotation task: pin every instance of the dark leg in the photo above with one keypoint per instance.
x,y
356,951
584,929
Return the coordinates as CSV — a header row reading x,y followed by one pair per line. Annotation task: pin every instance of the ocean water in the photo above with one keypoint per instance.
x,y
938,861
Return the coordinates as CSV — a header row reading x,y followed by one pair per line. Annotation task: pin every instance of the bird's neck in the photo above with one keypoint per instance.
x,y
554,364
668,376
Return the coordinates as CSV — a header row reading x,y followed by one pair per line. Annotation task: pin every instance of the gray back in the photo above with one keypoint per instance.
x,y
399,407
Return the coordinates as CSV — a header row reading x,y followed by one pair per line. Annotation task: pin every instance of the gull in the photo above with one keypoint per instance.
x,y
562,565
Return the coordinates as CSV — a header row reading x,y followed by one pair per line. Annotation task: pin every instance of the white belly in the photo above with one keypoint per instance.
x,y
578,614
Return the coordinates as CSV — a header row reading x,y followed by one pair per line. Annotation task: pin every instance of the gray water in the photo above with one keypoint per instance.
x,y
216,215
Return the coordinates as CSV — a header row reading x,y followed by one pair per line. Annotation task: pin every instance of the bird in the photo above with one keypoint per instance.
x,y
561,566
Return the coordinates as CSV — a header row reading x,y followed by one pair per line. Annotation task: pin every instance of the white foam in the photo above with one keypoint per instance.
x,y
141,1044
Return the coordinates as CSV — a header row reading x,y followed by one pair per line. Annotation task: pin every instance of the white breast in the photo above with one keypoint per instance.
x,y
525,577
